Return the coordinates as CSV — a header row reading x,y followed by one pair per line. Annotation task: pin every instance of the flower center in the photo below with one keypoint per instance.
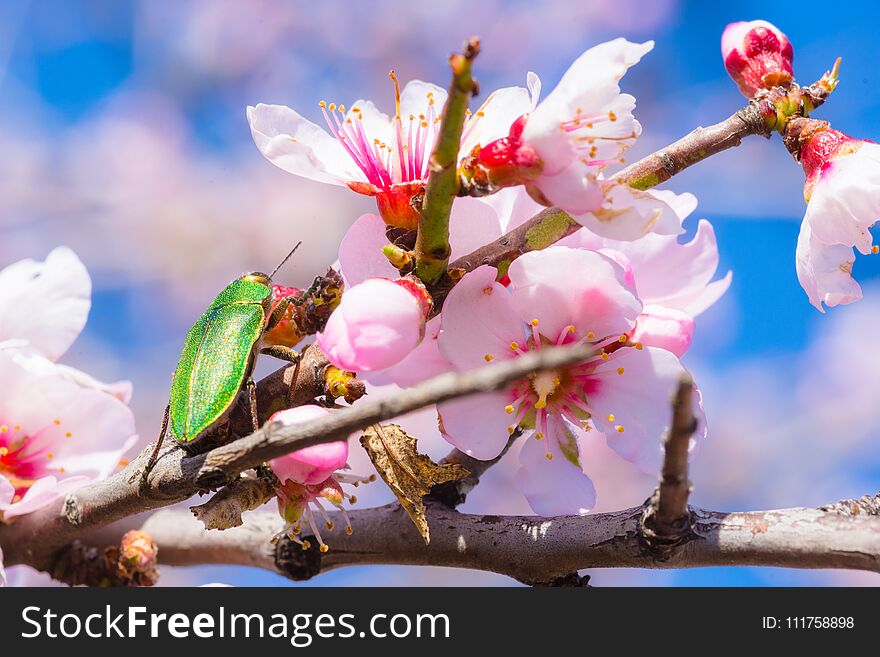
x,y
592,134
403,158
24,458
546,398
296,502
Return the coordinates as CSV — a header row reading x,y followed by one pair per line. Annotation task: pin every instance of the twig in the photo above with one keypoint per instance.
x,y
275,439
667,519
757,118
432,244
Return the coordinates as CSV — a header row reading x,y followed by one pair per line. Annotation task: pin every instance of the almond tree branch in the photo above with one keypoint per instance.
x,y
529,549
432,244
35,538
667,519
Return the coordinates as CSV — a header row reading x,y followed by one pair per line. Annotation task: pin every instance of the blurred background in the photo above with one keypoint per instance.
x,y
123,135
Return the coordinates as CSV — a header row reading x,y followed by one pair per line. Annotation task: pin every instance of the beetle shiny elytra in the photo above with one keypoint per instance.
x,y
218,359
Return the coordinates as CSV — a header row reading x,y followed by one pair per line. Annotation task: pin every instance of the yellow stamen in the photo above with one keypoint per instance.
x,y
605,356
324,548
591,336
488,358
534,322
508,409
611,417
539,435
875,249
639,346
621,339
620,370
619,428
549,456
3,452
514,346
3,428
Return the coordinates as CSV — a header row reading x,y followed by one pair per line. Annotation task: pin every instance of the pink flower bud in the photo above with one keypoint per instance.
x,y
311,465
757,55
377,323
666,328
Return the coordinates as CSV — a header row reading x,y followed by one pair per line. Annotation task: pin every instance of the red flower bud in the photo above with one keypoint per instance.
x,y
757,55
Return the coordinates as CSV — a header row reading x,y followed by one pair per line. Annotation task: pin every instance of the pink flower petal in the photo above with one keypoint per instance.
x,y
360,252
573,188
665,328
628,214
478,320
638,401
298,146
43,492
477,425
45,304
553,487
560,286
375,326
423,362
314,464
473,223
825,270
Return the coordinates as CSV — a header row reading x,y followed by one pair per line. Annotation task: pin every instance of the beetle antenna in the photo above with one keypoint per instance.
x,y
286,258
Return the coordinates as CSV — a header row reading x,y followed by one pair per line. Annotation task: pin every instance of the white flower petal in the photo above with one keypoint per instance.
x,y
44,303
296,145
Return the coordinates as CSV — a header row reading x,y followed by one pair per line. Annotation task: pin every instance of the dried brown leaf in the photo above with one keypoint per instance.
x,y
409,474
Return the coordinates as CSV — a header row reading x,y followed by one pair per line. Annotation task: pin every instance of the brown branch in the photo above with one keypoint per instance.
x,y
530,549
274,440
757,118
34,539
667,519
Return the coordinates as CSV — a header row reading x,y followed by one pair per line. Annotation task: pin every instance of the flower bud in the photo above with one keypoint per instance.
x,y
377,323
757,55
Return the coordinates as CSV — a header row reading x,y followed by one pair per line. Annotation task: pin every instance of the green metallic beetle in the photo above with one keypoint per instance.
x,y
218,359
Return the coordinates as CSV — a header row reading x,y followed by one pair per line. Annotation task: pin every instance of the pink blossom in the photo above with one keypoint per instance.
x,y
557,296
378,322
55,435
843,202
757,55
673,280
311,465
59,427
310,477
43,308
559,149
372,153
